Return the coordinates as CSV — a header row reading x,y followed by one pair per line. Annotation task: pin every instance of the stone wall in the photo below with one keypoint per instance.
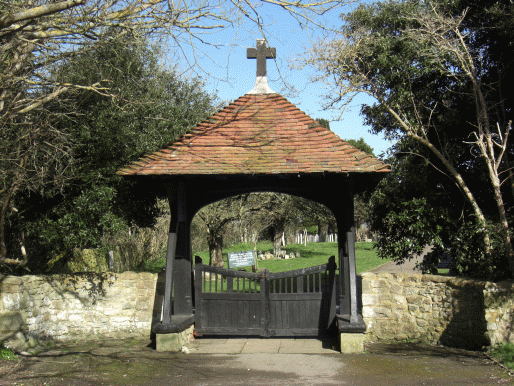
x,y
453,311
77,307
428,308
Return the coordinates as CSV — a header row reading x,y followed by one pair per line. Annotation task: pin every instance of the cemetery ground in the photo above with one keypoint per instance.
x,y
133,362
310,255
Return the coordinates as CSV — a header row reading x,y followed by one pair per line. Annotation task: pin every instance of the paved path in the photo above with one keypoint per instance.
x,y
115,362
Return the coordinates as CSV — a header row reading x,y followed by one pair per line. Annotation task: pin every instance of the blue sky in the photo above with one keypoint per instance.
x,y
229,74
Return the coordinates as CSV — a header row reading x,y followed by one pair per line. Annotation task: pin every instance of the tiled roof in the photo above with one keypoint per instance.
x,y
257,134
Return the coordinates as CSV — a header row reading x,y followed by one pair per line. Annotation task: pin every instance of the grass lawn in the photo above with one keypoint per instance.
x,y
310,255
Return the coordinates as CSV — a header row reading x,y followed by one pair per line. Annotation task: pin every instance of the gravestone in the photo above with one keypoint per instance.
x,y
241,259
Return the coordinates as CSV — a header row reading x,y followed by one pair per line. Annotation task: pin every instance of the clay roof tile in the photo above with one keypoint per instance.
x,y
257,134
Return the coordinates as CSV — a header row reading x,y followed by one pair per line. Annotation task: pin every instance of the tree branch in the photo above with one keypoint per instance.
x,y
38,12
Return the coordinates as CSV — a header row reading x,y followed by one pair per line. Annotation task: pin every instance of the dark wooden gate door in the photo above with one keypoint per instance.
x,y
292,303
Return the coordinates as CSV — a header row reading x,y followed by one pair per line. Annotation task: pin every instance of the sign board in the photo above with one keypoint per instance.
x,y
241,259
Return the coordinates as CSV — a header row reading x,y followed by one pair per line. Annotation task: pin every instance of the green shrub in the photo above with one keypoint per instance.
x,y
6,353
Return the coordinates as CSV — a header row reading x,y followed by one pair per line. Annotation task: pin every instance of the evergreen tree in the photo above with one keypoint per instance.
x,y
152,107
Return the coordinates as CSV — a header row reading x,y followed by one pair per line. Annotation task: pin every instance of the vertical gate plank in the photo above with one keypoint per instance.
x,y
230,284
284,315
246,314
265,304
240,314
199,278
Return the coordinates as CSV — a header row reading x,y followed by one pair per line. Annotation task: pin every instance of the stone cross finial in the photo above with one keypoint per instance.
x,y
261,53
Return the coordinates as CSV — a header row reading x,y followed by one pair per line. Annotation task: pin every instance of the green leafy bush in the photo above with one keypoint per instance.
x,y
6,353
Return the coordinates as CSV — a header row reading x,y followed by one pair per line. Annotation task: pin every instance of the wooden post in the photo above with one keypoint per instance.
x,y
199,283
350,239
347,269
168,278
329,295
170,256
344,277
265,304
183,299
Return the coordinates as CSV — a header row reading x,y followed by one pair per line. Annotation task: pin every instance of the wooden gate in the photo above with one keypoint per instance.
x,y
292,303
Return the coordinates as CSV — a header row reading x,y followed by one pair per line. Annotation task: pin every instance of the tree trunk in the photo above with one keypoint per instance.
x,y
446,162
6,200
322,231
215,242
504,223
277,236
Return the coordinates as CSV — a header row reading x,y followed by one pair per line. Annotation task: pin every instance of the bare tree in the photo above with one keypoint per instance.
x,y
37,35
450,37
437,40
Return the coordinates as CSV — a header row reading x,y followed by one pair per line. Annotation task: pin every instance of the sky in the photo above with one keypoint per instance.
x,y
228,73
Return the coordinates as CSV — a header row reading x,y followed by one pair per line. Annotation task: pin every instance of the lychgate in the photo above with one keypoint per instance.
x,y
259,143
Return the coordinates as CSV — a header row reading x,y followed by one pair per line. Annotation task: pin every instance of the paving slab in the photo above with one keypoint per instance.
x,y
262,346
217,346
307,346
